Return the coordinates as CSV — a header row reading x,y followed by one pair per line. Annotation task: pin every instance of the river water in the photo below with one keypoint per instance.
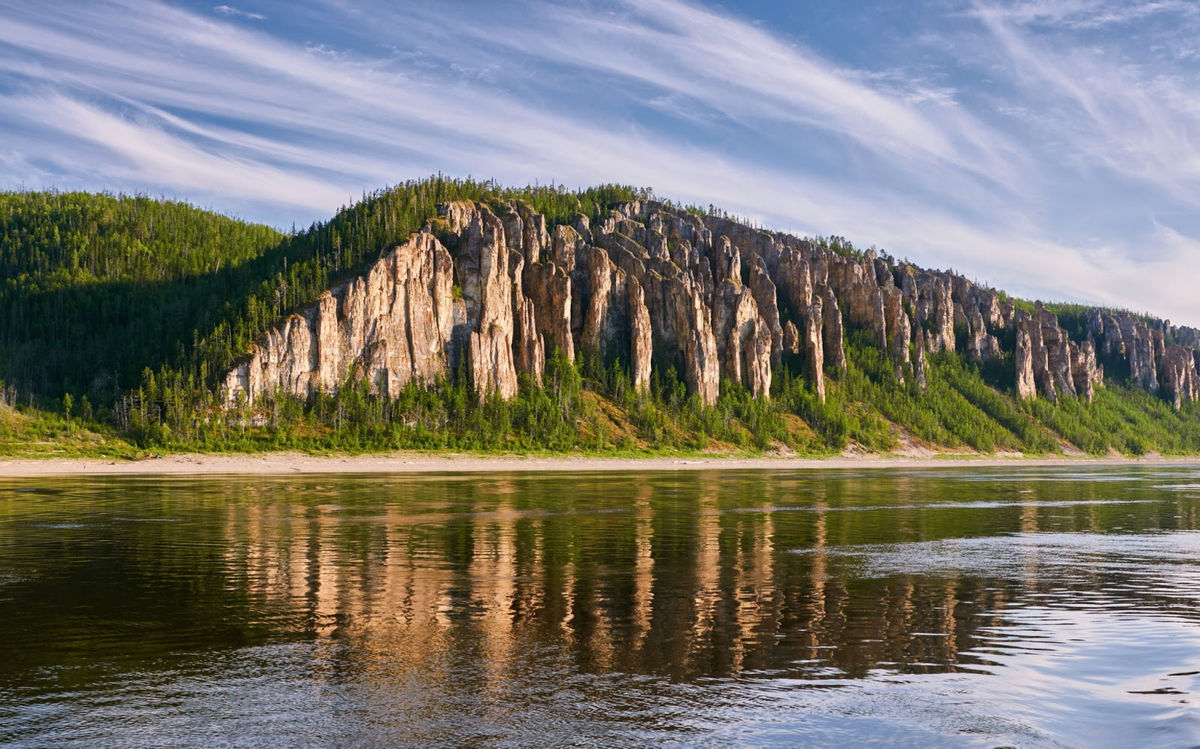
x,y
950,606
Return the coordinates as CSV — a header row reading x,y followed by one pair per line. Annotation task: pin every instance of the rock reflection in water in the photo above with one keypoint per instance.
x,y
555,608
660,582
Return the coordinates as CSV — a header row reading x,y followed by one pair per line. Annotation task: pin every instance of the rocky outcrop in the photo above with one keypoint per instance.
x,y
981,345
1031,355
969,296
929,296
1180,381
1157,355
918,358
390,326
791,338
898,330
1187,337
766,300
1086,369
641,338
814,347
1058,353
548,286
835,351
596,290
481,261
1139,348
1025,382
744,339
702,368
1045,353
493,289
1076,367
529,350
863,296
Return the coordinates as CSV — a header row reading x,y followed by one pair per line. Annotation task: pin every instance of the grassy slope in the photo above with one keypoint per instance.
x,y
38,434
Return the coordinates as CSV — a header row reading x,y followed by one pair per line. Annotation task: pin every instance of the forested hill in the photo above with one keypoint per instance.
x,y
595,320
98,289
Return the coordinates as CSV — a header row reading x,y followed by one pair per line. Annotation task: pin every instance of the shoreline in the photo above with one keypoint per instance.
x,y
298,463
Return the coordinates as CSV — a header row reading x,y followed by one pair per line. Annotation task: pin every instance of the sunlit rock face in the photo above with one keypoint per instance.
x,y
394,324
491,291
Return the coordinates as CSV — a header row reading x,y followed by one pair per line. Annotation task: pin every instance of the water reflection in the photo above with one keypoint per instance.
x,y
955,604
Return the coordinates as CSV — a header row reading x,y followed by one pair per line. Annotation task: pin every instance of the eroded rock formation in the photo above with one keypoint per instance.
x,y
494,290
1179,376
394,324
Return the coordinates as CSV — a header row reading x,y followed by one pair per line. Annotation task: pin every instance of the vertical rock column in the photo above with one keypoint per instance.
x,y
835,351
483,268
1180,381
641,341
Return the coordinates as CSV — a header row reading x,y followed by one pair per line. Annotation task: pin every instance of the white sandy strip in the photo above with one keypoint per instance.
x,y
293,463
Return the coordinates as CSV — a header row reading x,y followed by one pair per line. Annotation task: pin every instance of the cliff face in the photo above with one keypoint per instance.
x,y
496,289
394,324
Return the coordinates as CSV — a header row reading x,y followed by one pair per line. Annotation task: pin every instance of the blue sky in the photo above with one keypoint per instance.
x,y
1049,148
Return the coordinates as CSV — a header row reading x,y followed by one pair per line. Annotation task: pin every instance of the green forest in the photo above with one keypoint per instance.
x,y
119,314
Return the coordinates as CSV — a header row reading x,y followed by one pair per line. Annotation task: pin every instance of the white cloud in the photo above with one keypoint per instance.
x,y
1091,14
229,10
151,96
1140,121
135,150
750,75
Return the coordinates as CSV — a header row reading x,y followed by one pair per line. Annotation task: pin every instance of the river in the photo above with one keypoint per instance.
x,y
952,606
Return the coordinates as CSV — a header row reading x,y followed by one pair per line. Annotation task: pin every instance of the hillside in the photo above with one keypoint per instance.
x,y
460,314
95,288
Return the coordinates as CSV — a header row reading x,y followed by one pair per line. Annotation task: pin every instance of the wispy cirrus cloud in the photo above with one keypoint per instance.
x,y
1092,14
1141,122
229,10
707,67
130,149
974,161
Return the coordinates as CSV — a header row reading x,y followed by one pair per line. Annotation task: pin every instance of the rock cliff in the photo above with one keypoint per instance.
x,y
493,289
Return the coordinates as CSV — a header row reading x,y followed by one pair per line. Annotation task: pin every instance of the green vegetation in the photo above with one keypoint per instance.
x,y
117,316
586,407
840,245
98,289
95,288
41,434
580,407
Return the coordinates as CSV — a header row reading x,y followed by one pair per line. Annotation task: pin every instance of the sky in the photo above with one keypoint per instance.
x,y
1050,148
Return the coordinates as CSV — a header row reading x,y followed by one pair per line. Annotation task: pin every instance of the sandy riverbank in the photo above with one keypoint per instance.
x,y
295,463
